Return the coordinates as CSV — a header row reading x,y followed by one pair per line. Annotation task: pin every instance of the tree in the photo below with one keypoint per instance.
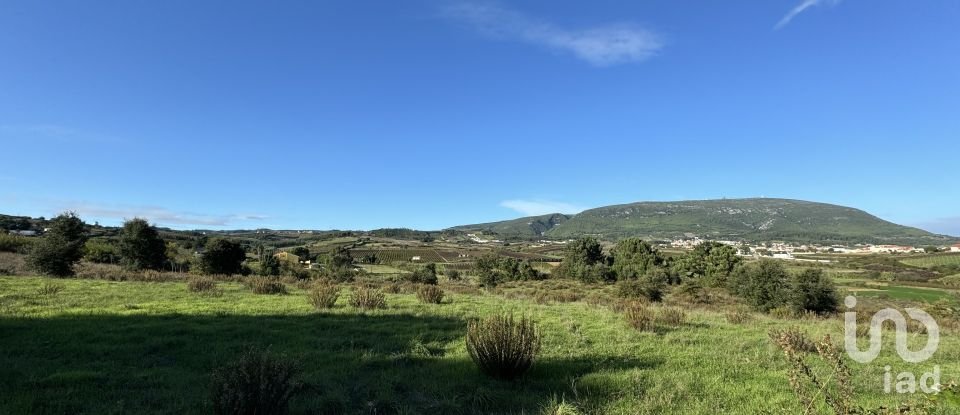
x,y
931,249
269,263
426,274
584,260
711,260
61,247
634,257
301,252
341,258
141,246
100,251
223,257
764,284
813,291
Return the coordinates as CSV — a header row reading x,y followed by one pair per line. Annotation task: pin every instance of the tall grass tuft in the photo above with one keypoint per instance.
x,y
50,290
367,298
257,382
672,317
430,294
201,284
502,347
793,339
639,316
323,296
266,285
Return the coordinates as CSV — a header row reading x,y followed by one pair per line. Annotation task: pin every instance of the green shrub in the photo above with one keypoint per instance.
x,y
812,291
14,243
367,298
324,296
639,316
426,274
222,257
765,284
141,246
502,347
62,246
430,294
266,285
452,274
200,284
101,251
645,288
257,383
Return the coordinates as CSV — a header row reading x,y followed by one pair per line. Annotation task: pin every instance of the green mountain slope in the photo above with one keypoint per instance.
x,y
733,219
524,227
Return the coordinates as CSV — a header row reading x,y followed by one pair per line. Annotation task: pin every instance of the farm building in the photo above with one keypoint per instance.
x,y
286,256
955,248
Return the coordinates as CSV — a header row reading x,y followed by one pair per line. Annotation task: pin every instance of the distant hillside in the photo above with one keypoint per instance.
x,y
733,219
524,227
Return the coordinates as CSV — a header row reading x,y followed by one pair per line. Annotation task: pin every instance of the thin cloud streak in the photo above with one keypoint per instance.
x,y
800,8
600,46
158,215
540,207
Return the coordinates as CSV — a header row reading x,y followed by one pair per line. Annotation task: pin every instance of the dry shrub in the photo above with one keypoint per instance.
x,y
793,338
639,316
738,317
368,298
13,264
266,285
674,317
502,347
50,289
201,284
304,284
392,288
324,296
89,270
430,294
258,382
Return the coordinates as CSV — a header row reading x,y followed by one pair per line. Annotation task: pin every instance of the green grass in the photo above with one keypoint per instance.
x,y
925,295
126,347
928,261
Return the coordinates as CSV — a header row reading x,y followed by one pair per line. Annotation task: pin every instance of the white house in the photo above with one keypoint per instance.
x,y
955,248
416,258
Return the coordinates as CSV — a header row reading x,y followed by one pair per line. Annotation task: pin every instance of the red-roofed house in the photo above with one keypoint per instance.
x,y
955,248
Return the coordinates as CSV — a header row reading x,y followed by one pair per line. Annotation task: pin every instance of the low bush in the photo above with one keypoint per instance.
x,y
324,296
266,285
502,347
368,298
14,243
639,316
426,274
257,382
452,274
201,284
737,317
671,317
430,294
640,289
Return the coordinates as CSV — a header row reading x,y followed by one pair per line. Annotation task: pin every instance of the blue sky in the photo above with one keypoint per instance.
x,y
428,114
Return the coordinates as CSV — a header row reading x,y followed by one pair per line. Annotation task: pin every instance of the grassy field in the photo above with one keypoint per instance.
x,y
103,347
933,260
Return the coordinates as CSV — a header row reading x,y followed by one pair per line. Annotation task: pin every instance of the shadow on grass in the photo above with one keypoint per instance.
x,y
352,363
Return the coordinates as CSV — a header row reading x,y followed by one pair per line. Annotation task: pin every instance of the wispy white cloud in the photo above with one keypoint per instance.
x,y
601,46
800,8
158,215
945,226
540,207
53,132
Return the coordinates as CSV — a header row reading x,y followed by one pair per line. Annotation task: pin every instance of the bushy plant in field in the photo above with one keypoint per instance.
x,y
256,383
812,291
671,317
452,274
368,298
141,246
426,274
266,285
101,251
559,406
14,243
639,316
430,294
649,287
199,284
12,264
323,296
503,347
62,246
223,257
794,339
737,317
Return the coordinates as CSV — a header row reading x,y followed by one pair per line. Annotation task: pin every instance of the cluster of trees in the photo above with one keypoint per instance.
x,y
642,270
493,269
